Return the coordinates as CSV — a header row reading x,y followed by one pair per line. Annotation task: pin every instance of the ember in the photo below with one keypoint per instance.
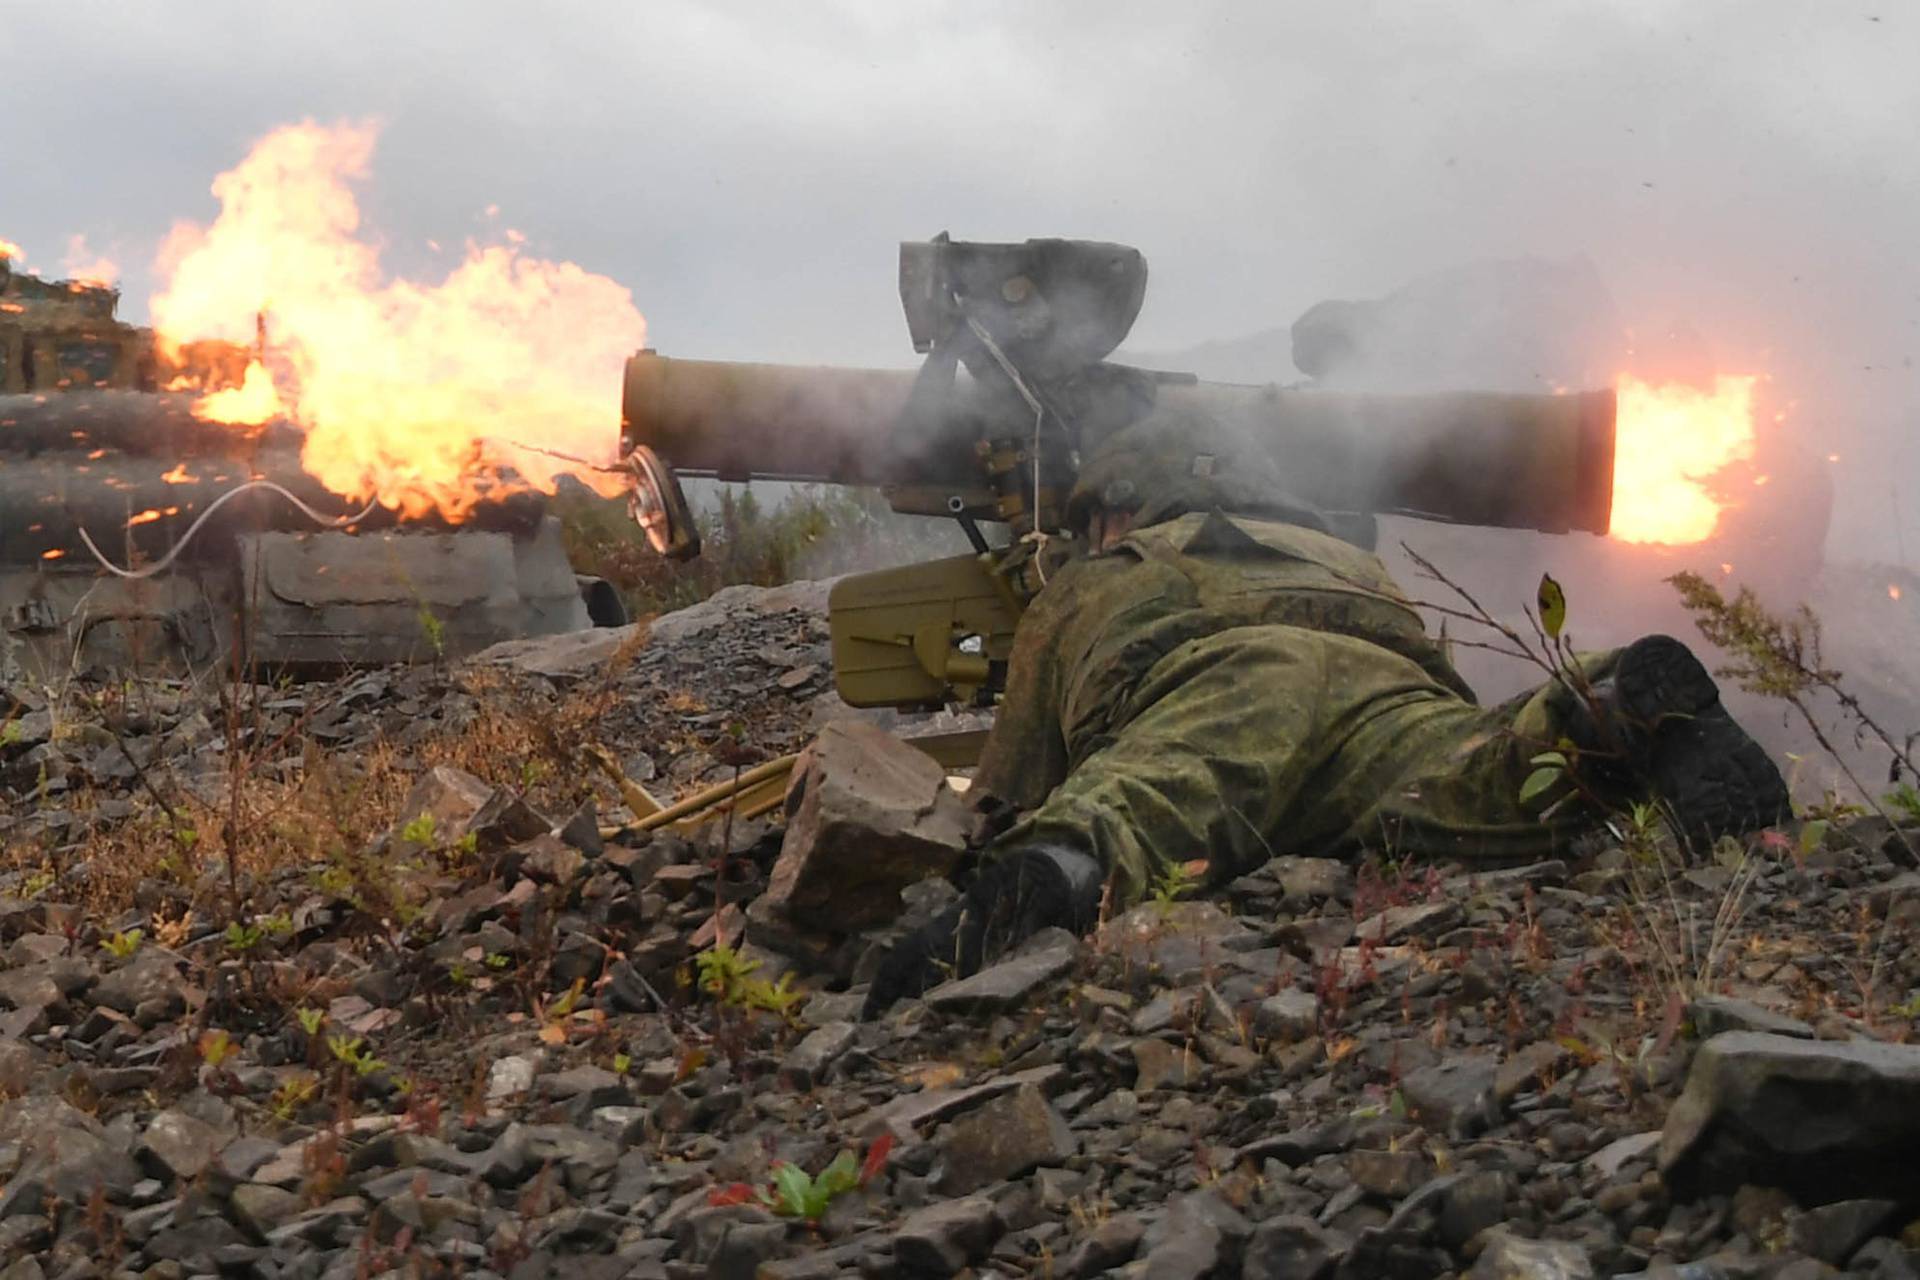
x,y
429,396
152,514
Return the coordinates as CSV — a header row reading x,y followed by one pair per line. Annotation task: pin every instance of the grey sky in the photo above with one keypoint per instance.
x,y
1747,165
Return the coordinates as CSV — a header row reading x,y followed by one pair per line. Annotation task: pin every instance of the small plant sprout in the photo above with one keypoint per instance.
x,y
291,1094
242,938
215,1047
419,831
778,998
310,1019
1178,881
730,978
794,1193
724,972
352,1051
433,631
554,1016
122,945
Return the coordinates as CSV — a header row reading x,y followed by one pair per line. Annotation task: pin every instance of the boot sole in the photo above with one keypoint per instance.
x,y
1715,778
1659,678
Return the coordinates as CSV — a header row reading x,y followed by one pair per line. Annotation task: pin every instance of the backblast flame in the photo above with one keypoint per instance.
x,y
254,401
426,395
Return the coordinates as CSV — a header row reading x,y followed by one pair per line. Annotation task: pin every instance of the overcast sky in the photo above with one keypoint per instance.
x,y
1745,165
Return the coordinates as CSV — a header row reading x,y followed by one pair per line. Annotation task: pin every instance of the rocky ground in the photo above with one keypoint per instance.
x,y
346,978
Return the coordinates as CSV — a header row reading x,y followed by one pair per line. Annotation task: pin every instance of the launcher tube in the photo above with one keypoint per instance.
x,y
1469,457
1519,461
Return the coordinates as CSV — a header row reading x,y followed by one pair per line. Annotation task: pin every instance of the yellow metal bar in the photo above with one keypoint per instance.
x,y
717,794
760,789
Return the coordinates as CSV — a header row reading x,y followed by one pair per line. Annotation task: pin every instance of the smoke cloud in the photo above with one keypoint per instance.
x,y
1743,167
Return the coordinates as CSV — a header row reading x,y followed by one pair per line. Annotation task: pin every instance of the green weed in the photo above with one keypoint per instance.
x,y
122,945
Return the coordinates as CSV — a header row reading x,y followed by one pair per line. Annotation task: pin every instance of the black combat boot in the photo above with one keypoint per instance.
x,y
1661,713
1013,897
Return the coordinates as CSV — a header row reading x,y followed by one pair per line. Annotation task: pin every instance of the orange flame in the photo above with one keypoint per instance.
x,y
8,249
1893,591
254,401
1671,441
425,395
179,474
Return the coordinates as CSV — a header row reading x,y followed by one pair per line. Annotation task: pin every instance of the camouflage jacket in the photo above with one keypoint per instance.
x,y
1088,640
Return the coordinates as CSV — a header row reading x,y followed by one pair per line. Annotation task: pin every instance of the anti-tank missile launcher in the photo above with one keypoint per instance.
x,y
1015,388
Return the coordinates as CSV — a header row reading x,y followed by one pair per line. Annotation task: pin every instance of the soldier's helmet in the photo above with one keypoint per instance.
x,y
1178,460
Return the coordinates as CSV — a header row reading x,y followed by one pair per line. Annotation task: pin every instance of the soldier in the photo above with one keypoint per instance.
x,y
1220,678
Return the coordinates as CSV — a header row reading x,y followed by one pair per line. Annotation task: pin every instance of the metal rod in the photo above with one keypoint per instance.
x,y
706,799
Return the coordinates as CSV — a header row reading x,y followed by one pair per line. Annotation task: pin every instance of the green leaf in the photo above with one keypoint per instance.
x,y
1811,834
1537,784
419,831
795,1189
1550,757
840,1177
1905,800
1553,606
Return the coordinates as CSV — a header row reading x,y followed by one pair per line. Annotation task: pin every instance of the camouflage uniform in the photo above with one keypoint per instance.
x,y
1228,681
1231,687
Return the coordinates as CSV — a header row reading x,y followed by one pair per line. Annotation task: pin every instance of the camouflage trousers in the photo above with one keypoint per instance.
x,y
1269,740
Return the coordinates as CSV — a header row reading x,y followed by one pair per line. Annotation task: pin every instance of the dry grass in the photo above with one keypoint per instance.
x,y
295,803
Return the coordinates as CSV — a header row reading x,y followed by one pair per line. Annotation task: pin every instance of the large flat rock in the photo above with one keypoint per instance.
x,y
1824,1120
867,815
